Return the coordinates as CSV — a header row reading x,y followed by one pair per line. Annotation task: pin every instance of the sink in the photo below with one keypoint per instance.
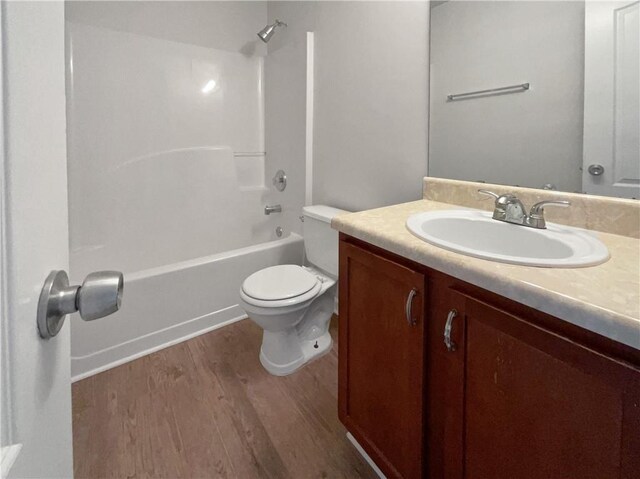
x,y
476,233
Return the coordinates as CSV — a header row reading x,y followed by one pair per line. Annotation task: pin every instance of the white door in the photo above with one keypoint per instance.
x,y
611,157
36,387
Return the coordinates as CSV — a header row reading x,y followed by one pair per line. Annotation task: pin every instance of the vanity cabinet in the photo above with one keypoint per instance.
x,y
508,392
381,359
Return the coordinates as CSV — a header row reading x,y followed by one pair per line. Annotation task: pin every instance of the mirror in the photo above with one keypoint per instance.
x,y
537,94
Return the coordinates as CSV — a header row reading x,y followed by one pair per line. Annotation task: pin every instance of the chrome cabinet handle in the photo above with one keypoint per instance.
x,y
448,342
407,307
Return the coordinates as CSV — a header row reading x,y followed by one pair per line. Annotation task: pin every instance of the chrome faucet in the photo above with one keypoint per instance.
x,y
509,208
272,209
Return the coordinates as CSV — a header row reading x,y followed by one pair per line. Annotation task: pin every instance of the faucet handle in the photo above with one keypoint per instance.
x,y
536,216
538,208
495,196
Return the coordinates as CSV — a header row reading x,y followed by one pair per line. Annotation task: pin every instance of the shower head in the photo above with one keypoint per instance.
x,y
267,32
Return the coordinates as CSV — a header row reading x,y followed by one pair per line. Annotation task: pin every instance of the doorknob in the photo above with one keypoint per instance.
x,y
595,170
100,295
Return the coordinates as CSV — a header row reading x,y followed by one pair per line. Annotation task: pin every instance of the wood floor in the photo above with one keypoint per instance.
x,y
206,408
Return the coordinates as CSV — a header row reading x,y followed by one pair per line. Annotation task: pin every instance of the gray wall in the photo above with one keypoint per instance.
x,y
371,97
526,139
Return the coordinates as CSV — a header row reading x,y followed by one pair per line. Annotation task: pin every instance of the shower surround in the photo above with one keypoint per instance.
x,y
167,184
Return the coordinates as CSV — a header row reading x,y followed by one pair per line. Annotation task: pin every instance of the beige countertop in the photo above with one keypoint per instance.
x,y
604,299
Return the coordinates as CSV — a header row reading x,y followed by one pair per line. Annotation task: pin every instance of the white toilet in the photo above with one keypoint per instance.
x,y
293,304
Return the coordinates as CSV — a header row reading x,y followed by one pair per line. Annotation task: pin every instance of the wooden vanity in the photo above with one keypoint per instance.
x,y
509,392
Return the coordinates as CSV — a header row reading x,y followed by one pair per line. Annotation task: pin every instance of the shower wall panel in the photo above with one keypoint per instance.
x,y
166,150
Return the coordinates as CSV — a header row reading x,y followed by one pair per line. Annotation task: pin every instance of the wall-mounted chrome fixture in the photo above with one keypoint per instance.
x,y
100,295
280,180
267,32
272,209
279,231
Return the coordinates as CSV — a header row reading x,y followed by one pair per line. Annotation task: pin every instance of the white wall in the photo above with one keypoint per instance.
x,y
526,139
371,96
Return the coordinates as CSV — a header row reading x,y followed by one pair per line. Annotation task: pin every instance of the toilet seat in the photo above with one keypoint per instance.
x,y
282,285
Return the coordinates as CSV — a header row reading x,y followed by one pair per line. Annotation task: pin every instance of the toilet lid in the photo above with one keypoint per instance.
x,y
279,282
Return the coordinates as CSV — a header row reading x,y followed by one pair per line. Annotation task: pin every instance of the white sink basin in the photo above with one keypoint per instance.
x,y
475,233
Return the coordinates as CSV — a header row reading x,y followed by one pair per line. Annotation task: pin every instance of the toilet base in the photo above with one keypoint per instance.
x,y
310,350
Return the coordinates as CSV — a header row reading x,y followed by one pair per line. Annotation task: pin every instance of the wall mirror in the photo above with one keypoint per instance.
x,y
537,94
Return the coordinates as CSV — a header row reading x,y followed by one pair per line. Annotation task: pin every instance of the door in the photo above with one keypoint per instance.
x,y
380,358
537,405
611,156
36,387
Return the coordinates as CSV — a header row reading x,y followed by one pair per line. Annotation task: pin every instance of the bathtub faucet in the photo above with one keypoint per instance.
x,y
272,209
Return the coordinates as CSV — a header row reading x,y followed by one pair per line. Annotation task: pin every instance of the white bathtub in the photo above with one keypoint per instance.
x,y
165,305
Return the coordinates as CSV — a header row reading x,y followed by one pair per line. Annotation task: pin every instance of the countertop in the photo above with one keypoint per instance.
x,y
604,299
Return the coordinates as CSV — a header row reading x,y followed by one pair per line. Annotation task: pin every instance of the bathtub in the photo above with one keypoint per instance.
x,y
166,305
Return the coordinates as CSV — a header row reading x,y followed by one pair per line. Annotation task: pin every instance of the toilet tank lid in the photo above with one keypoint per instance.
x,y
322,212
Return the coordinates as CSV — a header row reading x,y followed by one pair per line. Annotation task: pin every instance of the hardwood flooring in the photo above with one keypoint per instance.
x,y
206,408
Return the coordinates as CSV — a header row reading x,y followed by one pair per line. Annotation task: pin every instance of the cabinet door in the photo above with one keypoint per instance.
x,y
537,405
381,359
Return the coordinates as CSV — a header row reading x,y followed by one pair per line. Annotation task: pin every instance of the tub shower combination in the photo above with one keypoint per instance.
x,y
166,184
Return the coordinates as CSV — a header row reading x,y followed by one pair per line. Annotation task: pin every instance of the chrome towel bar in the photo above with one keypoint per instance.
x,y
493,91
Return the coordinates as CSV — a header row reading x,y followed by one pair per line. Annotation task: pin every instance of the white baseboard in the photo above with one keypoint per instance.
x,y
84,366
365,456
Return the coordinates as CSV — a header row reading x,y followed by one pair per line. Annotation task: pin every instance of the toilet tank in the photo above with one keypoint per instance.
x,y
320,241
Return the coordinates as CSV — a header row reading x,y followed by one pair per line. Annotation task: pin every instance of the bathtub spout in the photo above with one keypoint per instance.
x,y
272,209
